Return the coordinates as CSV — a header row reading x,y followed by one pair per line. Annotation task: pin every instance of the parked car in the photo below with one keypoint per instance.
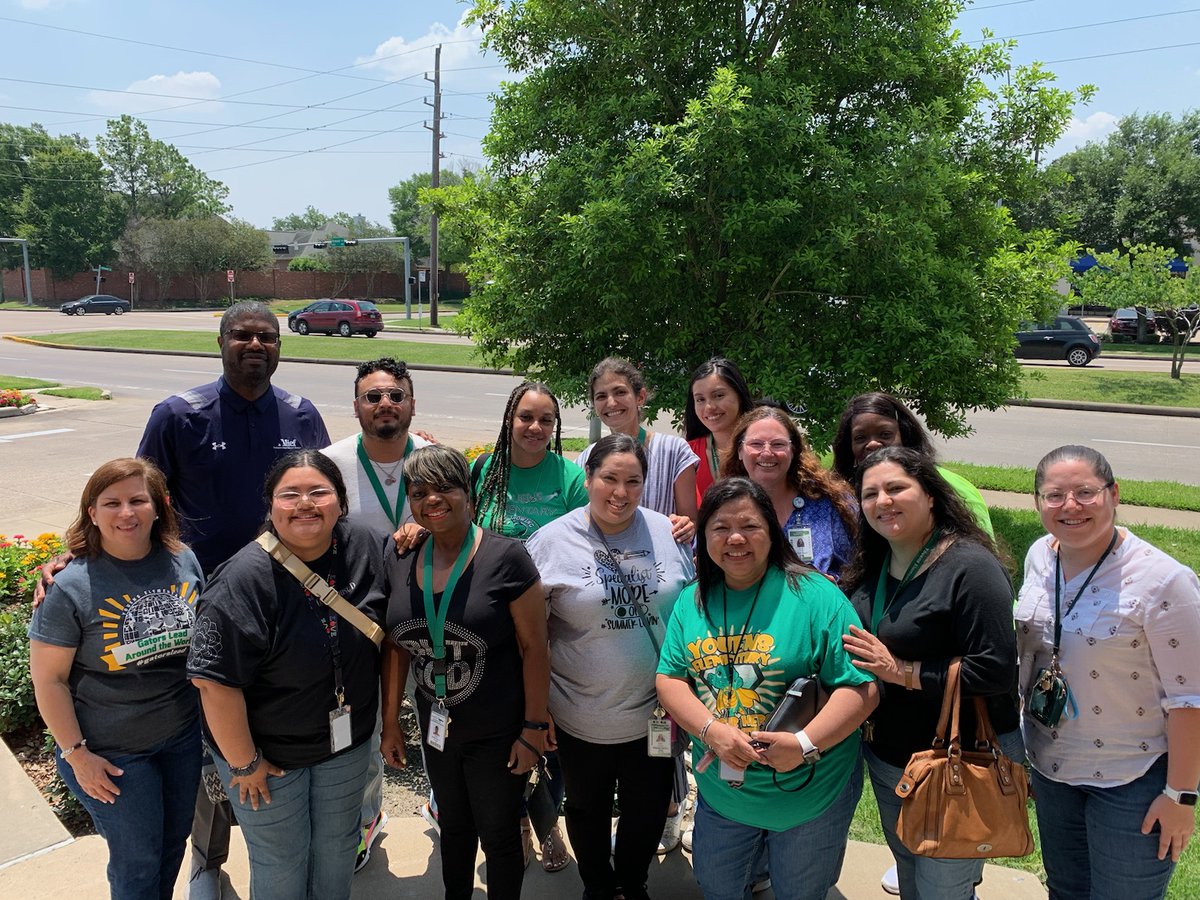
x,y
316,304
346,317
1124,324
105,303
1067,337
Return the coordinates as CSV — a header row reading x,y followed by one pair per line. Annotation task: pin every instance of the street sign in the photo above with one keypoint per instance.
x,y
229,275
337,242
131,278
421,275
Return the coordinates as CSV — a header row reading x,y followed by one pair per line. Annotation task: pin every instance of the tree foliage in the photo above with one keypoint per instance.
x,y
1141,278
810,189
197,249
153,178
411,207
368,259
1140,186
310,220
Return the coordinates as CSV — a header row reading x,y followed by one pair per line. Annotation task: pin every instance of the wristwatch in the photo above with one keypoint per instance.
x,y
811,753
1183,798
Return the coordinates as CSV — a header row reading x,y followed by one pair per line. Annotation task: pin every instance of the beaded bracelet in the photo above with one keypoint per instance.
x,y
248,769
67,751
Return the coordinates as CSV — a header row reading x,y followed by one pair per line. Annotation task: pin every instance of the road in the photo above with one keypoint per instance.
x,y
45,458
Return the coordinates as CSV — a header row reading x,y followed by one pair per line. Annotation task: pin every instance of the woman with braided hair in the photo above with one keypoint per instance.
x,y
519,487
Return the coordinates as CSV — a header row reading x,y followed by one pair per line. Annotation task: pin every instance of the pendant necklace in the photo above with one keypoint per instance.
x,y
389,475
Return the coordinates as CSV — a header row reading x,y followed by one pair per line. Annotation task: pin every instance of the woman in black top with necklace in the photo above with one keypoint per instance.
x,y
927,583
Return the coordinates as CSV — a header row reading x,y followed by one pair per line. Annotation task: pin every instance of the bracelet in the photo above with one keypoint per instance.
x,y
248,769
908,674
67,751
536,726
704,728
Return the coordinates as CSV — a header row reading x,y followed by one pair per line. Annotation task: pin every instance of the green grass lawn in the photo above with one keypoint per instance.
x,y
19,383
1101,386
1161,494
78,393
357,349
1127,348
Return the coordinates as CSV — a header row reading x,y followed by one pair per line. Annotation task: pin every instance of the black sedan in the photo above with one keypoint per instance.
x,y
1067,337
96,303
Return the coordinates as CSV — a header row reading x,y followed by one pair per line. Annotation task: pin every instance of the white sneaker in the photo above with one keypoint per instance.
x,y
430,816
890,881
370,834
686,841
673,830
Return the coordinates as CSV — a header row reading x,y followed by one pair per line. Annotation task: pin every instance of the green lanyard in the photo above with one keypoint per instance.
x,y
435,615
641,436
882,602
393,515
714,461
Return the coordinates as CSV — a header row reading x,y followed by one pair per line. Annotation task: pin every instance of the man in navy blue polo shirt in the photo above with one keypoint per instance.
x,y
215,444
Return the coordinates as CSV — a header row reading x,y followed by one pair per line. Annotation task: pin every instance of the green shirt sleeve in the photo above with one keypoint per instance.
x,y
969,494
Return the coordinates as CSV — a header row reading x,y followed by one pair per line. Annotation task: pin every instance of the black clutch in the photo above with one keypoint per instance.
x,y
804,699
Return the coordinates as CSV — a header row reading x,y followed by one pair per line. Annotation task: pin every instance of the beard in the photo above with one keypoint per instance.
x,y
386,429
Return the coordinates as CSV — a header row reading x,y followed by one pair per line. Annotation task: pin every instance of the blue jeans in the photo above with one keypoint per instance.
x,y
148,825
804,862
305,841
923,878
1092,841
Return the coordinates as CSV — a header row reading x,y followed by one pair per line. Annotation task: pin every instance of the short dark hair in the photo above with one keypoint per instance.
x,y
614,443
781,555
1076,452
305,459
397,368
83,538
729,373
950,513
246,309
912,432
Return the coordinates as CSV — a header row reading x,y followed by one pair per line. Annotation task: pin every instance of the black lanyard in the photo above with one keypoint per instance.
x,y
329,624
882,601
1059,584
731,650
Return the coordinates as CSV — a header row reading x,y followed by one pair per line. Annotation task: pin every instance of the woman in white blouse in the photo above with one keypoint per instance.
x,y
1109,635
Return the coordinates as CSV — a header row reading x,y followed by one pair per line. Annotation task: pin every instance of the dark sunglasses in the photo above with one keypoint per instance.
x,y
397,396
244,337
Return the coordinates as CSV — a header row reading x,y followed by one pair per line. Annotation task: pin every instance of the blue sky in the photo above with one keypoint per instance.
x,y
284,130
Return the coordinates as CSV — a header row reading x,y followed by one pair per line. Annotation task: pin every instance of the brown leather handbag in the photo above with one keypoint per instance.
x,y
963,805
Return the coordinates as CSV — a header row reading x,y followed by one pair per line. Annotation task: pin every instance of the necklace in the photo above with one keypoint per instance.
x,y
389,474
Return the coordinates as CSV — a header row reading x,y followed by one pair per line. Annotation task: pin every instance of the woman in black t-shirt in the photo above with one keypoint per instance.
x,y
926,582
289,686
467,615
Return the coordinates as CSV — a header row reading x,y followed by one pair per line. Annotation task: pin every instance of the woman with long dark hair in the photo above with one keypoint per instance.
x,y
717,396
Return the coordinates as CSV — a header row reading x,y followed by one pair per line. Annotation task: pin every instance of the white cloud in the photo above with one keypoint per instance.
x,y
203,85
1095,127
399,57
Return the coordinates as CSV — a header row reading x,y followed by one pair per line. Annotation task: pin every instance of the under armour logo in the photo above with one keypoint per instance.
x,y
218,445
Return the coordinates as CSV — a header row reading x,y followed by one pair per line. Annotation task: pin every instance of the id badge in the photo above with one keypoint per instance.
x,y
802,542
658,737
1048,697
340,735
439,726
732,775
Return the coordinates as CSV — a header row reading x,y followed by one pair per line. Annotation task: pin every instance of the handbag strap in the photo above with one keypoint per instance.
x,y
950,706
319,587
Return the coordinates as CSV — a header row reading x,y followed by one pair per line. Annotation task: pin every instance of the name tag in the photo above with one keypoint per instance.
x,y
802,542
439,727
340,734
658,737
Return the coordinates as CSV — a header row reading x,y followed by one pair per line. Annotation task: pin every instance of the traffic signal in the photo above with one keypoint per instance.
x,y
281,248
350,243
320,245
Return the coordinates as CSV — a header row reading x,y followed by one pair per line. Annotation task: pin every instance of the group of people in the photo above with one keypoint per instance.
x,y
574,629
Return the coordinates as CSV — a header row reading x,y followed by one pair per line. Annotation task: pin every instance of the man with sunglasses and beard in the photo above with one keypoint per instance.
x,y
215,445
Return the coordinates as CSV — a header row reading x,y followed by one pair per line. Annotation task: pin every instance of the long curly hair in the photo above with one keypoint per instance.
x,y
806,475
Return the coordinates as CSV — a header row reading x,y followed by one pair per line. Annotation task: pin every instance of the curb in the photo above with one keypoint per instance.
x,y
417,367
1129,408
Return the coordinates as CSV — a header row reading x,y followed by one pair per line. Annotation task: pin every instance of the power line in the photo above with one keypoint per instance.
x,y
1025,34
1051,62
996,5
70,112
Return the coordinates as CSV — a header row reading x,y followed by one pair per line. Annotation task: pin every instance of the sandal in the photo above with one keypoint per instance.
x,y
554,852
526,841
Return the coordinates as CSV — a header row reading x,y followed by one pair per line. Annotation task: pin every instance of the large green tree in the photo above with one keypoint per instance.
x,y
1139,186
411,208
310,220
154,179
812,189
199,249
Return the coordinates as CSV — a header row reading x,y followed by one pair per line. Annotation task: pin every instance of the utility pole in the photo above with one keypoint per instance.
x,y
435,180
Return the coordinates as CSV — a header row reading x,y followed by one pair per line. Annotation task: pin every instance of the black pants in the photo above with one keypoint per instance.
x,y
591,773
479,802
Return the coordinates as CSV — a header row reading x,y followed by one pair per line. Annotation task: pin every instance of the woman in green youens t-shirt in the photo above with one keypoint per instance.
x,y
522,485
781,621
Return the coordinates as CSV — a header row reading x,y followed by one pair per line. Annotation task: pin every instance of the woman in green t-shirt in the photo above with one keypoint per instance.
x,y
755,620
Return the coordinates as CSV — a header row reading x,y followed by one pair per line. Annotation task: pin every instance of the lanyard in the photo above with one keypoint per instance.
x,y
435,615
380,494
714,462
731,650
642,436
882,601
1059,584
329,624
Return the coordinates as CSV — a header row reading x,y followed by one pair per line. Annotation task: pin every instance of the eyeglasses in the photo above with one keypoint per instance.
x,y
775,447
244,337
317,497
396,395
1084,496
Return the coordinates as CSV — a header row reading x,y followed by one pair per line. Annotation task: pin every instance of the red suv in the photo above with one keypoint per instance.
x,y
346,317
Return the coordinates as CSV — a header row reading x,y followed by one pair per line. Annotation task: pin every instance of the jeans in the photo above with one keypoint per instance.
x,y
591,773
804,862
1092,841
923,878
479,803
372,800
305,841
147,827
